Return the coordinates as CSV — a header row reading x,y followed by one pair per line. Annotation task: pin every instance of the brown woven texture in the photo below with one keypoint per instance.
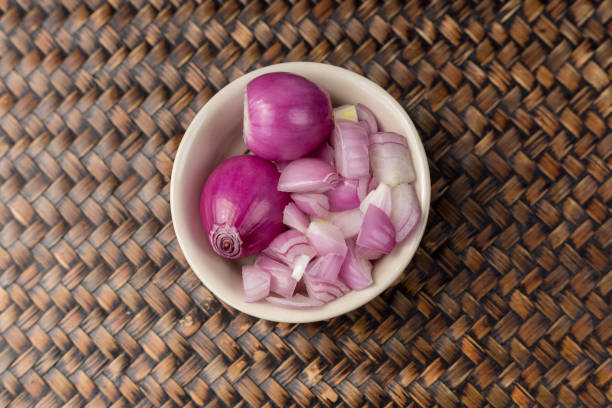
x,y
506,303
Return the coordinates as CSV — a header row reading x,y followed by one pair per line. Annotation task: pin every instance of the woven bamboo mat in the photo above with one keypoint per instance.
x,y
507,301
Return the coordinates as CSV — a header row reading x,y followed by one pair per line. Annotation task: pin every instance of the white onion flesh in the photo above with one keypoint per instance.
x,y
390,159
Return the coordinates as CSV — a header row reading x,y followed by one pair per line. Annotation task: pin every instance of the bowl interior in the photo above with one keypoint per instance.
x,y
216,134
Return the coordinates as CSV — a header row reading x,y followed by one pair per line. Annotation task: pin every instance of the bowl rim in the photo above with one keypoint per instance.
x,y
189,137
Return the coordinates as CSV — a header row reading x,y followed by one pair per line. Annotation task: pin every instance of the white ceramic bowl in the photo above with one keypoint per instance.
x,y
216,134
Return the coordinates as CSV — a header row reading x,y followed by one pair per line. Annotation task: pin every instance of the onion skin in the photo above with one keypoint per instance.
x,y
240,207
286,116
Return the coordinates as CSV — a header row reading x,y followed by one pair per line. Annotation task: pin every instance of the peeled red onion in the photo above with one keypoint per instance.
x,y
240,207
286,116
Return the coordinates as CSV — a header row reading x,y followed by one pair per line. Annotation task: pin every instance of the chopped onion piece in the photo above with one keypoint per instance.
x,y
362,187
297,301
299,267
351,149
365,115
390,158
377,235
344,196
281,281
348,112
324,290
406,211
314,204
287,246
367,253
326,267
380,197
326,238
256,283
349,221
324,153
356,272
266,263
293,217
307,175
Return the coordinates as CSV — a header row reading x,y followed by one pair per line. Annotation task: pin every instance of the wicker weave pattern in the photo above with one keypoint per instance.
x,y
506,302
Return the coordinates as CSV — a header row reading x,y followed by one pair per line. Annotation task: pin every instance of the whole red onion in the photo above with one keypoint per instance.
x,y
286,116
240,207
